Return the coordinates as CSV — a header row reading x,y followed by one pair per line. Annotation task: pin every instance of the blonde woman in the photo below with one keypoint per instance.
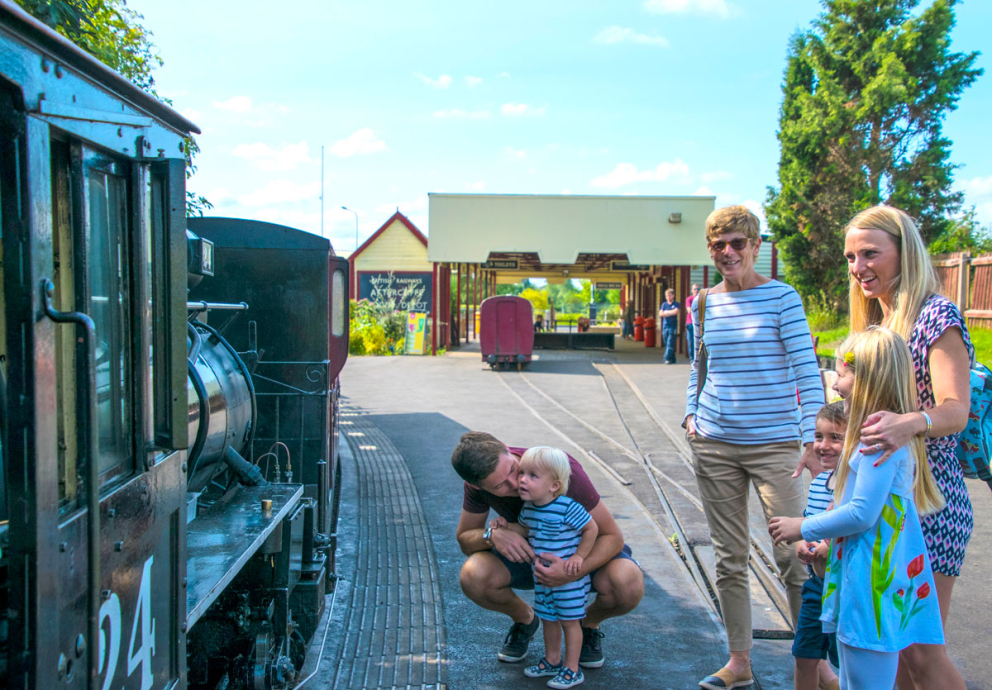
x,y
893,284
743,424
878,553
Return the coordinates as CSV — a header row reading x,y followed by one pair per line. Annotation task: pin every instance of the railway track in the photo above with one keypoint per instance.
x,y
652,462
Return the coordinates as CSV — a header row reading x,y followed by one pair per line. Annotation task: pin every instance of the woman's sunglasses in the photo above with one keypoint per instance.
x,y
738,244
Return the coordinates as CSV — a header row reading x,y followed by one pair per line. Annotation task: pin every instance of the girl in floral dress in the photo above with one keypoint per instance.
x,y
879,594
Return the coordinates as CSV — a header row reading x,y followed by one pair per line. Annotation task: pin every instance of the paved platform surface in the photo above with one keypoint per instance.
x,y
416,408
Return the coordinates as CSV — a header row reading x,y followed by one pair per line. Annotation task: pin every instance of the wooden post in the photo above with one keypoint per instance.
x,y
437,299
458,303
964,281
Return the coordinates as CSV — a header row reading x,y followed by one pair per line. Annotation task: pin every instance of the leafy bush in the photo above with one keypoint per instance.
x,y
376,330
822,312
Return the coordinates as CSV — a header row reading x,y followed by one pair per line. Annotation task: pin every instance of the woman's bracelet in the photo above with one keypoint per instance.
x,y
926,434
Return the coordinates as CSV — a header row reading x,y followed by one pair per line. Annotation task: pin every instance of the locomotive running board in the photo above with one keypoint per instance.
x,y
221,540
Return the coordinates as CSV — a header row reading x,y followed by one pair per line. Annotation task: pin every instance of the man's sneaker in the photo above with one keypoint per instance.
x,y
518,640
567,678
543,668
591,655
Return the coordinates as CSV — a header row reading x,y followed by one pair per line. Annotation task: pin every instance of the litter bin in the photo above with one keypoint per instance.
x,y
649,333
638,328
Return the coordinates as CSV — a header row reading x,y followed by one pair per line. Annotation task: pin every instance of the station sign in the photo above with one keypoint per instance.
x,y
502,264
397,291
609,286
628,267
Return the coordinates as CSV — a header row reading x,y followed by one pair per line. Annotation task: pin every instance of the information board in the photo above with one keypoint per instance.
x,y
399,291
416,331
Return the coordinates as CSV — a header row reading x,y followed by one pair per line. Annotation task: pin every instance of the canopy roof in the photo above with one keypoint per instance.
x,y
655,230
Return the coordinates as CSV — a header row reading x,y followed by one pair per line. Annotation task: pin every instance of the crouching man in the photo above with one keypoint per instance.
x,y
500,560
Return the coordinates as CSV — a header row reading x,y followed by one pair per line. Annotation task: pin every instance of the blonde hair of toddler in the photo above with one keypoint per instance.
x,y
552,460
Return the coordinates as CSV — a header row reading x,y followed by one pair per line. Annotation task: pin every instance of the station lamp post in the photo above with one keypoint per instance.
x,y
356,225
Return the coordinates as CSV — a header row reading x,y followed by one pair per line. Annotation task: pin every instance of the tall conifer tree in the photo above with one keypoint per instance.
x,y
865,94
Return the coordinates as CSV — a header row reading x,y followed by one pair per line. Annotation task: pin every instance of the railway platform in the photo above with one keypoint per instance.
x,y
399,618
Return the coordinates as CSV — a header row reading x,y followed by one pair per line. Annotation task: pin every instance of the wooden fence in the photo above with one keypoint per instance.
x,y
967,280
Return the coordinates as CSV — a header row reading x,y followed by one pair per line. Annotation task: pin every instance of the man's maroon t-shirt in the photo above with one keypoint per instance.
x,y
580,489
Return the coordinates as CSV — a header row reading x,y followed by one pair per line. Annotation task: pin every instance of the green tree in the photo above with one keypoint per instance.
x,y
539,298
865,94
114,34
965,235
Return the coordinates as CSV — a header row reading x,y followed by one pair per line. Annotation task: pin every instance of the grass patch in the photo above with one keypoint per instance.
x,y
981,338
830,339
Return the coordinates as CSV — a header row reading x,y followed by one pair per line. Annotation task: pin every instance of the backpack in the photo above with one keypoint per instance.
x,y
975,445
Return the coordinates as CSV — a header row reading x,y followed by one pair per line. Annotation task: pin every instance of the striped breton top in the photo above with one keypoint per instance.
x,y
760,353
820,495
555,527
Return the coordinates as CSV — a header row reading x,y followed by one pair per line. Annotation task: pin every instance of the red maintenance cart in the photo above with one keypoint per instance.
x,y
507,331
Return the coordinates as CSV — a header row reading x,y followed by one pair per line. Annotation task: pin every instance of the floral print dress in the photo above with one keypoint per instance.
x,y
878,591
947,532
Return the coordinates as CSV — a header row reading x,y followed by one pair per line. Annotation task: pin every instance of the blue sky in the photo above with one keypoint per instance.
x,y
542,97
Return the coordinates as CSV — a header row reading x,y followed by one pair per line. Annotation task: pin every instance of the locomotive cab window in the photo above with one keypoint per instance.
x,y
92,275
108,290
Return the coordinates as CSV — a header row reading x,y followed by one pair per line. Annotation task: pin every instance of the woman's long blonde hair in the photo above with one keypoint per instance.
x,y
917,279
884,380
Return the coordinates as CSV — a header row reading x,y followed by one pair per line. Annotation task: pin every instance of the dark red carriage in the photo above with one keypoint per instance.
x,y
507,331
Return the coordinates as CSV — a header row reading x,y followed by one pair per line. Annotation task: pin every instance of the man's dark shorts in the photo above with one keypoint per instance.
x,y
522,574
810,641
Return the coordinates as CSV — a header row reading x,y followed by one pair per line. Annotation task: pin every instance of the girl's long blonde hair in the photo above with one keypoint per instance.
x,y
884,380
917,279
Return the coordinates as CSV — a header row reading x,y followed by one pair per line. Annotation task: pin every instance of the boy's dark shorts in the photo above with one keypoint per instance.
x,y
810,641
522,574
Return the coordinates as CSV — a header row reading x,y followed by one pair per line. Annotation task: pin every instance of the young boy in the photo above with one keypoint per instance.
x,y
812,646
555,524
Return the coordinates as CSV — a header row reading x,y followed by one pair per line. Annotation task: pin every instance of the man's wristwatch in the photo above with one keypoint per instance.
x,y
487,536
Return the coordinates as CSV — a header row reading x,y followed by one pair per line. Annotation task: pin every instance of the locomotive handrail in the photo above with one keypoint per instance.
x,y
92,477
212,306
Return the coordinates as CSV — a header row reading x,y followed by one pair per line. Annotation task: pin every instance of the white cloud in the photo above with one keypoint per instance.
x,y
717,176
704,191
617,34
266,157
361,142
281,191
516,154
978,193
626,173
566,191
442,82
518,109
476,186
504,75
473,81
458,113
191,115
717,8
977,186
235,104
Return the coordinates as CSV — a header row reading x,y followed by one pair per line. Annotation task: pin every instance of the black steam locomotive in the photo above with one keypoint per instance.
x,y
169,399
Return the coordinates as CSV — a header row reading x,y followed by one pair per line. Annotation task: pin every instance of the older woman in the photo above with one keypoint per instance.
x,y
744,426
893,283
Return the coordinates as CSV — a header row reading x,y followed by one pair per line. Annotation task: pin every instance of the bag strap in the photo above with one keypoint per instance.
x,y
701,354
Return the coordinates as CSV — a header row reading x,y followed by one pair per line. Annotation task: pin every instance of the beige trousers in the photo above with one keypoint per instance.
x,y
723,472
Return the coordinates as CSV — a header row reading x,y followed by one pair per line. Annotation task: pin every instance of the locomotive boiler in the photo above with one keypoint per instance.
x,y
169,399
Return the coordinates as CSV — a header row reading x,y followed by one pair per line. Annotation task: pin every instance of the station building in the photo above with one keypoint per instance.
x,y
642,245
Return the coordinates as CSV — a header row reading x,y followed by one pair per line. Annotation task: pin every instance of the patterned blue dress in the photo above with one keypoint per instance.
x,y
948,531
878,592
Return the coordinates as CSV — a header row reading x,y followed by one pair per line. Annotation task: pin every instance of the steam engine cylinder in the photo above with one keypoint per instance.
x,y
221,404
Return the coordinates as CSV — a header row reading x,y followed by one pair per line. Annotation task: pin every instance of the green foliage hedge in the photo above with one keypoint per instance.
x,y
375,330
